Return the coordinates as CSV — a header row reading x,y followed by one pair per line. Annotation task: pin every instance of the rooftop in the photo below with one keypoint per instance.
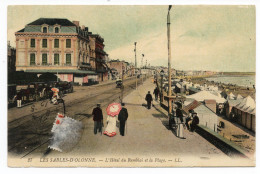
x,y
52,21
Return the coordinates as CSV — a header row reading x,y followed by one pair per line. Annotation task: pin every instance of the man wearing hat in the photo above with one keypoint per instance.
x,y
97,118
122,117
189,119
180,117
149,100
195,122
179,112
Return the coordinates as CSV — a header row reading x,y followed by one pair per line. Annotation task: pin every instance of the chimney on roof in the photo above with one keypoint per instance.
x,y
76,23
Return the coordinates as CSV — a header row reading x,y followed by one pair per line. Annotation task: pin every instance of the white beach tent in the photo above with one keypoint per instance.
x,y
247,104
239,97
206,95
217,93
231,96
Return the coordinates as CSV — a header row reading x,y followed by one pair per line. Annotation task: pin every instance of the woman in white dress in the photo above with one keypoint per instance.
x,y
111,126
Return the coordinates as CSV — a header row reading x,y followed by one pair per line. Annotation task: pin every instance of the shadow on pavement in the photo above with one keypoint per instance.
x,y
165,122
85,115
132,104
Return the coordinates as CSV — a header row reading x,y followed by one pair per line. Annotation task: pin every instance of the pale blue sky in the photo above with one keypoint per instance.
x,y
220,38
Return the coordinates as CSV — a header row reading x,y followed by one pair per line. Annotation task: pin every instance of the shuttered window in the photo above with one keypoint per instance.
x,y
44,43
44,59
56,59
68,58
56,43
32,59
32,43
68,43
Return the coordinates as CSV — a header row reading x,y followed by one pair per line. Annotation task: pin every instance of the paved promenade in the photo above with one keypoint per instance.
x,y
147,137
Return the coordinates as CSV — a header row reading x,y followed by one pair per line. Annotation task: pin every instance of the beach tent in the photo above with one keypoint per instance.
x,y
231,96
239,97
247,107
247,104
206,95
216,93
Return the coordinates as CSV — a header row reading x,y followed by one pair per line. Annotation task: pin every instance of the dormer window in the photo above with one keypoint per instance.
x,y
57,30
44,29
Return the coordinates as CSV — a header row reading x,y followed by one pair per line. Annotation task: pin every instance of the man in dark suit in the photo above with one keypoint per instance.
x,y
156,92
149,100
97,118
122,117
179,112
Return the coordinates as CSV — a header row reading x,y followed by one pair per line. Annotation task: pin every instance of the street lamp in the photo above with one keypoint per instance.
x,y
135,67
135,55
142,68
161,96
169,56
142,59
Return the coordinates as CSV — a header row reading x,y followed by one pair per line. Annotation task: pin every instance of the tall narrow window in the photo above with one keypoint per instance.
x,y
44,30
32,59
44,43
56,43
32,43
56,29
56,59
68,58
44,59
68,43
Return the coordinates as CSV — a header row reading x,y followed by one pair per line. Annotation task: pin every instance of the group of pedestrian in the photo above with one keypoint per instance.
x,y
112,121
192,120
149,97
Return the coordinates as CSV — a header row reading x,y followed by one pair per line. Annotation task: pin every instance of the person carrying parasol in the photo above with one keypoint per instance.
x,y
112,114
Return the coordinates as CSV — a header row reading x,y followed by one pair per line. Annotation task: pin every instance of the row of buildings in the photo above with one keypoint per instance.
x,y
61,47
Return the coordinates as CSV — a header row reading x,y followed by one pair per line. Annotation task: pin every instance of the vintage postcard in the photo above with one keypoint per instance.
x,y
131,85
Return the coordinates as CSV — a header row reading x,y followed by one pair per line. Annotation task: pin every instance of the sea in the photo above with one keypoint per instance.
x,y
246,81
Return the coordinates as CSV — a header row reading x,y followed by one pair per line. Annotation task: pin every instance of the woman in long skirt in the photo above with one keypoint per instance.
x,y
111,126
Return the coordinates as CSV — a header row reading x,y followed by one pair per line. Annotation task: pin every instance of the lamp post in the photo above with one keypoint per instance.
x,y
142,59
161,94
122,87
135,55
135,67
142,68
169,56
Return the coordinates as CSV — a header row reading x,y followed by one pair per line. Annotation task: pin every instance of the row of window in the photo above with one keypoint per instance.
x,y
45,59
45,30
56,43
